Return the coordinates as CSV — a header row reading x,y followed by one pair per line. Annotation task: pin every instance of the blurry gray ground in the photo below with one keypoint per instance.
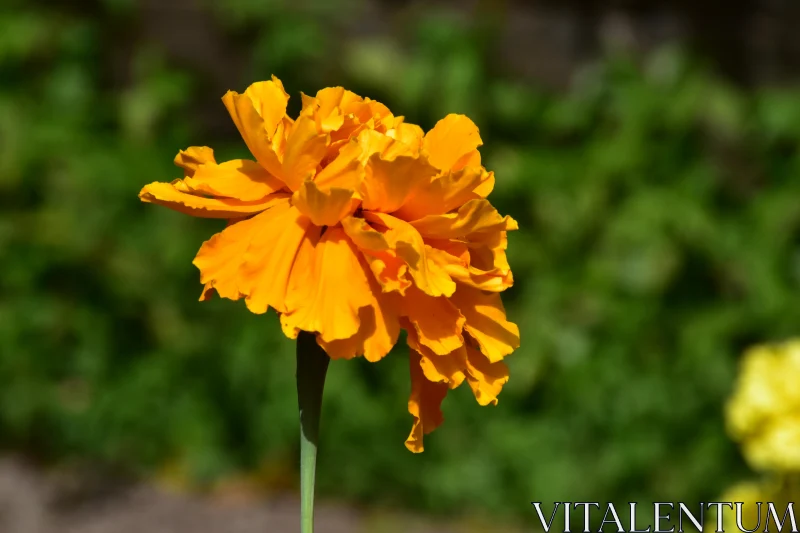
x,y
32,501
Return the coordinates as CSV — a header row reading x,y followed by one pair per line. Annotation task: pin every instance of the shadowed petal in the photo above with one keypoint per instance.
x,y
449,368
240,179
170,195
474,216
424,404
437,322
305,148
460,269
324,208
193,157
486,379
257,114
253,257
389,183
328,298
444,193
408,245
486,322
345,171
379,329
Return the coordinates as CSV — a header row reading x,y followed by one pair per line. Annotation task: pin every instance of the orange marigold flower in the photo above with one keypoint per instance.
x,y
353,224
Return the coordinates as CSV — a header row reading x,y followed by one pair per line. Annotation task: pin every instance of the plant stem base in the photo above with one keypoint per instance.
x,y
312,367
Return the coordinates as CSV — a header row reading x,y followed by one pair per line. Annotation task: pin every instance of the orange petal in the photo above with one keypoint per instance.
x,y
257,114
449,368
363,235
379,329
409,246
335,289
486,185
487,250
305,148
345,171
170,195
486,379
366,109
273,256
474,216
372,142
424,404
436,321
253,257
269,100
443,194
240,179
388,269
494,280
452,138
324,208
208,292
208,288
486,322
193,157
297,288
409,134
390,182
326,107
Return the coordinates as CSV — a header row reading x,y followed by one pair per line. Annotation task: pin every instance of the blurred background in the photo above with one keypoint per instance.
x,y
648,149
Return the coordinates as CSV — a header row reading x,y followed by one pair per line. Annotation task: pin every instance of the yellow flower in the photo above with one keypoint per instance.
x,y
353,224
748,494
764,412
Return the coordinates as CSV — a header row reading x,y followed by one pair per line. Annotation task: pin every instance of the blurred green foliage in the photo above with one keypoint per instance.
x,y
660,236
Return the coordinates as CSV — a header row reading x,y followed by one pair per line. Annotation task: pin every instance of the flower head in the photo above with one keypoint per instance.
x,y
352,224
764,412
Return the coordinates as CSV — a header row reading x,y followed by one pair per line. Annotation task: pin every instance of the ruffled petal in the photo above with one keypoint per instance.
x,y
327,300
193,157
305,149
460,269
424,404
410,135
379,329
389,183
176,196
445,193
326,107
274,256
486,322
208,293
371,112
487,250
240,179
486,379
407,244
450,140
345,171
258,113
389,270
324,208
474,216
254,257
437,322
448,368
486,186
269,99
363,235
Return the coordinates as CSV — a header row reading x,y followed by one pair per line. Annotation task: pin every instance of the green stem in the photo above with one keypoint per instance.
x,y
312,365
